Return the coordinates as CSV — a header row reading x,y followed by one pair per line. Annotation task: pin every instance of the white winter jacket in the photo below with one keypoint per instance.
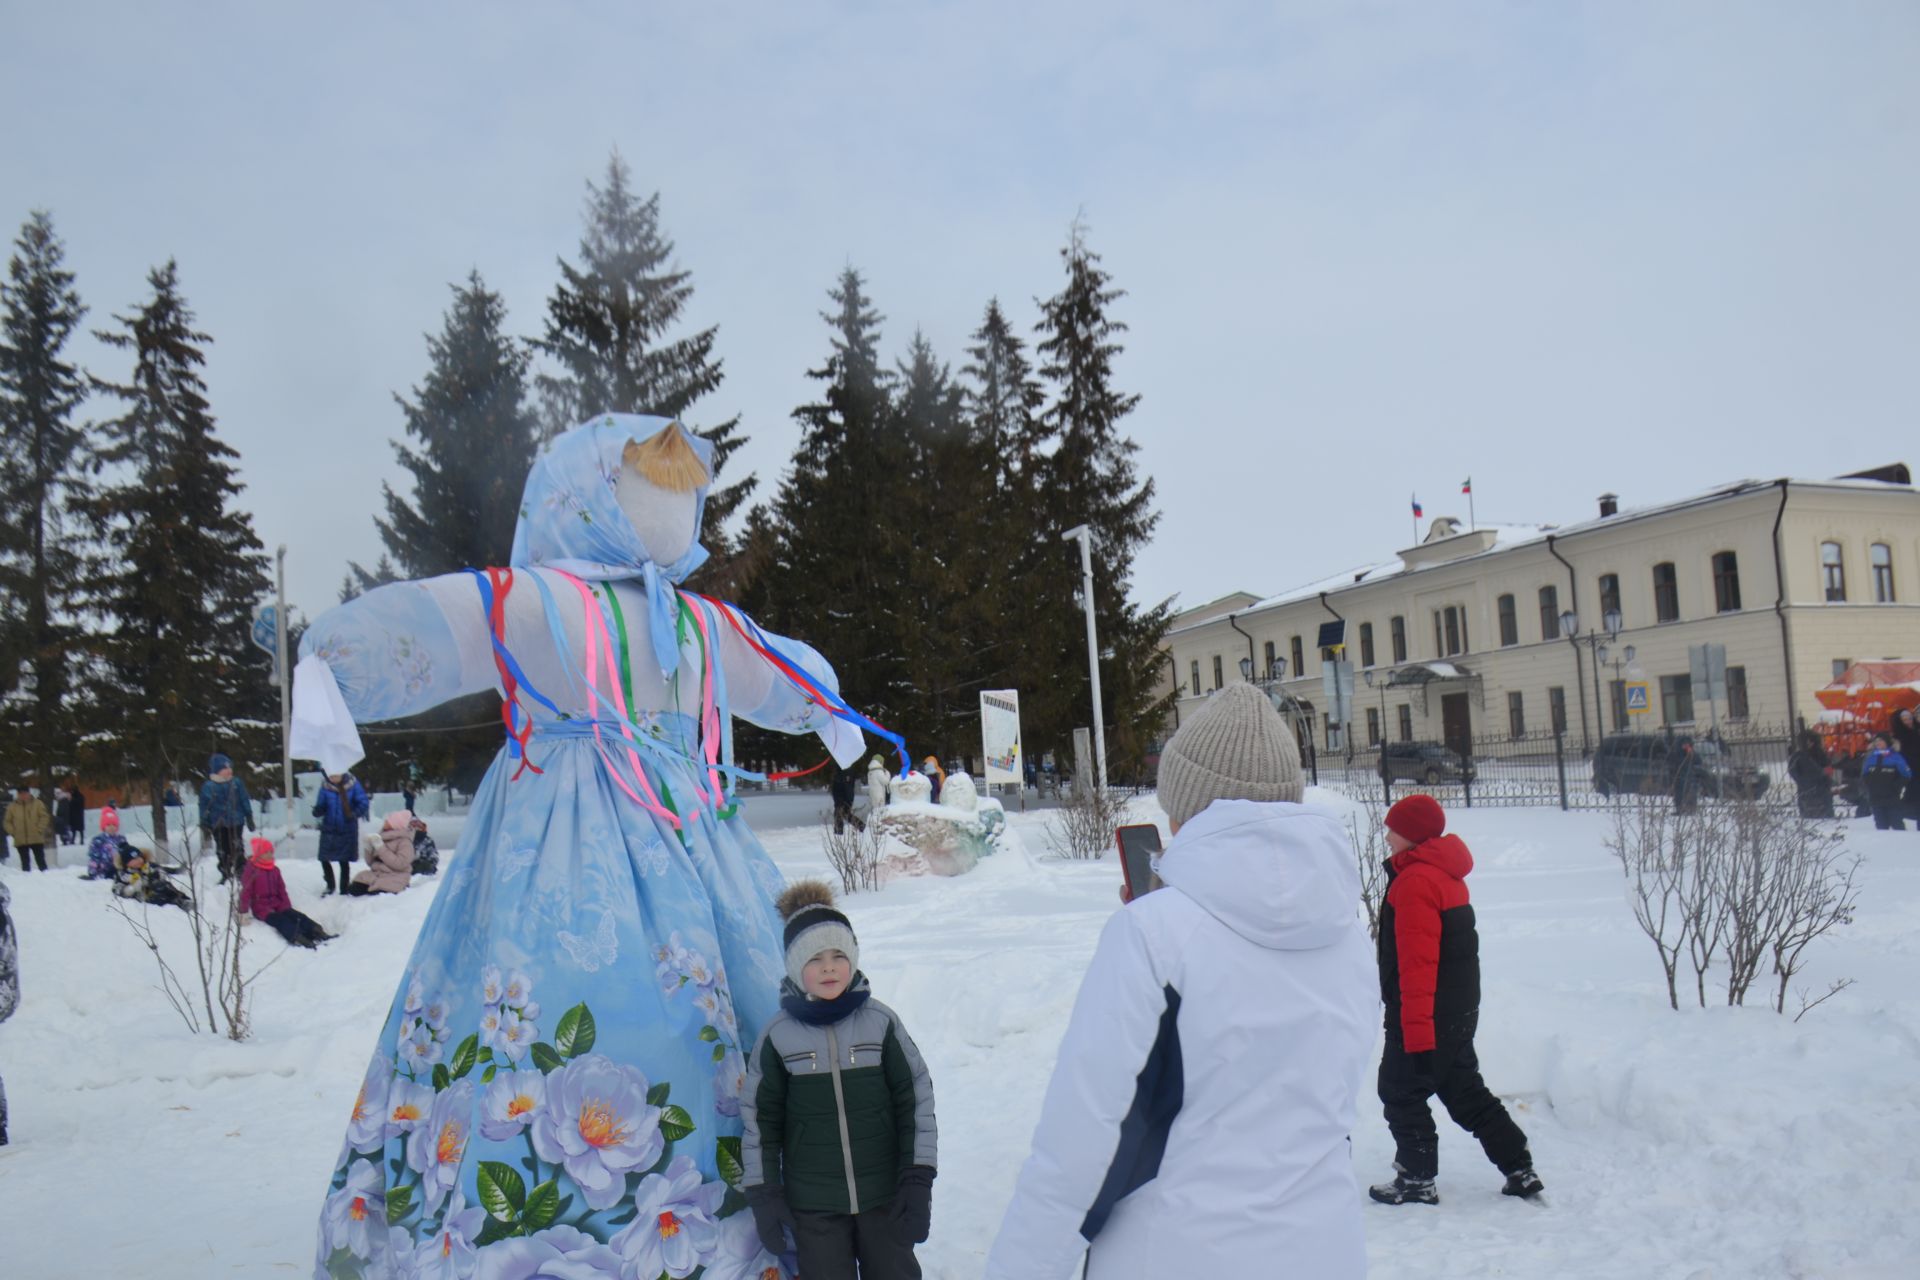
x,y
1198,1116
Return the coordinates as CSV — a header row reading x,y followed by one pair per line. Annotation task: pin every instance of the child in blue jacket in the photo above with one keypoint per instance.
x,y
1885,773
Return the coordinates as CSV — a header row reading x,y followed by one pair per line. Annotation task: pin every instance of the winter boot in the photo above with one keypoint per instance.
x,y
1405,1190
1524,1183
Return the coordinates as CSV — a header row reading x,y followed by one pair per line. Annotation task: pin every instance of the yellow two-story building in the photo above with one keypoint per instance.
x,y
1506,630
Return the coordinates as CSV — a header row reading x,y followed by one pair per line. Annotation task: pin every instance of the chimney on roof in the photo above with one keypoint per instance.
x,y
1609,505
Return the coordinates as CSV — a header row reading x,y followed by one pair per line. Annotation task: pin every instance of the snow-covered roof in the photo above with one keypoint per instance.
x,y
1508,537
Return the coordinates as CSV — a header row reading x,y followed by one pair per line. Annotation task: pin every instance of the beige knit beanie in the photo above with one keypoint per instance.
x,y
1235,747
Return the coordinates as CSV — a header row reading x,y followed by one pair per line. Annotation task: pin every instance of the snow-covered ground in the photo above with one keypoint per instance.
x,y
1698,1145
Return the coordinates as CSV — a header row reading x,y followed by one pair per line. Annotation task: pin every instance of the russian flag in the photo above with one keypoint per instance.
x,y
1417,512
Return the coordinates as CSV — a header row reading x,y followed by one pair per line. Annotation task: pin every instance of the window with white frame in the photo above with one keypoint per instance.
x,y
1833,573
1516,713
1397,626
1549,613
1666,592
1217,681
1404,713
1726,582
1880,560
1196,677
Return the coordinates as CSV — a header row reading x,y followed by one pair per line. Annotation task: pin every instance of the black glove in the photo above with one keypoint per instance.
x,y
913,1204
771,1217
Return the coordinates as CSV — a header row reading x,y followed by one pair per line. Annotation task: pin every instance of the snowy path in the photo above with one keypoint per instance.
x,y
1698,1146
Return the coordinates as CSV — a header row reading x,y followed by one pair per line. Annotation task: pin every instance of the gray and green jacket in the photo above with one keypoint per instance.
x,y
835,1112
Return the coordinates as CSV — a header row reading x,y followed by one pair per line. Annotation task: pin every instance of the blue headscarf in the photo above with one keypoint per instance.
x,y
570,519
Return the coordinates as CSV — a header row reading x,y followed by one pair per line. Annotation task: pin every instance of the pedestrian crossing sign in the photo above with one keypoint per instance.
x,y
1637,702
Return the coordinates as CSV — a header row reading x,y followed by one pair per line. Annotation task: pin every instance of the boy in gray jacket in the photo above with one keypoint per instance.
x,y
838,1111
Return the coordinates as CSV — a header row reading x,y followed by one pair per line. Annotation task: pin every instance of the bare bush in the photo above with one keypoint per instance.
x,y
1367,830
1087,821
222,1003
1735,885
855,855
1642,840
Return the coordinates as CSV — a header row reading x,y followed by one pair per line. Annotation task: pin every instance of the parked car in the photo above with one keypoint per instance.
x,y
1644,763
1428,762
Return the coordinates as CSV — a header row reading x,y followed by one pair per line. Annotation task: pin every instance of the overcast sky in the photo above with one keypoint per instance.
x,y
1369,249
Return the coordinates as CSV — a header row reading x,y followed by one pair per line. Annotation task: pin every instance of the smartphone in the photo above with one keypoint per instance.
x,y
1137,844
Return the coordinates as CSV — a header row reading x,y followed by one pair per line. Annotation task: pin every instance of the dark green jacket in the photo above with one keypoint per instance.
x,y
834,1113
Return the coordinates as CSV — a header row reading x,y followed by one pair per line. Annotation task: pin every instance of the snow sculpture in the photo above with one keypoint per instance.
x,y
945,839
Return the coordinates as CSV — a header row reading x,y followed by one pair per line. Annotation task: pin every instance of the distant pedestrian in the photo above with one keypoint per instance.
x,y
340,806
59,811
936,775
1811,769
225,809
1905,731
844,789
74,813
1429,953
263,892
1885,773
30,826
407,798
876,784
1686,777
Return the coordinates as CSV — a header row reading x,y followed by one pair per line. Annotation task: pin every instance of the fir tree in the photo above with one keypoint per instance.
x,y
1004,398
609,323
1089,478
473,440
837,531
183,570
44,455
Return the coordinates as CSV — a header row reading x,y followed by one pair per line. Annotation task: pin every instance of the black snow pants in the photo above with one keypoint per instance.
x,y
227,848
1404,1091
843,1246
299,929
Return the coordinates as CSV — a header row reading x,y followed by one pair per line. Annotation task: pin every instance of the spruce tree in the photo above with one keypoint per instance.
x,y
182,570
609,327
44,455
840,529
471,436
1089,478
471,440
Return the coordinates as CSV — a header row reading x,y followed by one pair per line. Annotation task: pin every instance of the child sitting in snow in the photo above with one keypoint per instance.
x,y
839,1063
1430,979
426,854
109,850
138,877
264,893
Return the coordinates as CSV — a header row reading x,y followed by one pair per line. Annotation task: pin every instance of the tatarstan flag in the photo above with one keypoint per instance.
x,y
1466,486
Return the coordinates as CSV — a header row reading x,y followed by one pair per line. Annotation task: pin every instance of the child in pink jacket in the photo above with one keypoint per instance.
x,y
264,893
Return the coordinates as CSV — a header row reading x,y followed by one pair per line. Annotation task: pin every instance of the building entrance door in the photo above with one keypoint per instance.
x,y
1456,724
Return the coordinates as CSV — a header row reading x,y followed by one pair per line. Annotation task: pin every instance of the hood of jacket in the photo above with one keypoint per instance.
x,y
1278,874
1447,854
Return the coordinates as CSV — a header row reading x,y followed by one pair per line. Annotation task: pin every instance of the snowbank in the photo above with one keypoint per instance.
x,y
1706,1145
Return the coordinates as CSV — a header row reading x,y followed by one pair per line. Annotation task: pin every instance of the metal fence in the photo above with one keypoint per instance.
x,y
1544,768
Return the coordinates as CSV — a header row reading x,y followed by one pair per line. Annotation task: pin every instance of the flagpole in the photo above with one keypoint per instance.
x,y
1472,523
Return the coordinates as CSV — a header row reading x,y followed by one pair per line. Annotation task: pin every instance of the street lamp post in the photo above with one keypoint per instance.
x,y
286,682
1085,538
1570,628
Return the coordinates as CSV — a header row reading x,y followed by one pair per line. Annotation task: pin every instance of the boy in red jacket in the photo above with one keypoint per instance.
x,y
1430,980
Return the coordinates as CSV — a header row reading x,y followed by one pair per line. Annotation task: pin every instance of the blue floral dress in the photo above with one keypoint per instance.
x,y
556,1091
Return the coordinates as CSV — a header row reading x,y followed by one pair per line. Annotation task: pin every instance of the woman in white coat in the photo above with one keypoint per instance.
x,y
1198,1117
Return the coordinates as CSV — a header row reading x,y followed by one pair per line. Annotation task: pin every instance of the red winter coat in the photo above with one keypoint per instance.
x,y
263,891
1429,951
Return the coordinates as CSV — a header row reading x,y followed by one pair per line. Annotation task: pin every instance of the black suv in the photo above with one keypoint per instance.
x,y
1428,762
1644,764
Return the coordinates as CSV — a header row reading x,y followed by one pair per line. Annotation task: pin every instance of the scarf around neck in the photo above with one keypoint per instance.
x,y
820,1013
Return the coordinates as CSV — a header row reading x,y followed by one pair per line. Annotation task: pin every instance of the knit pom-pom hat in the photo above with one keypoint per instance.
x,y
1417,818
814,925
109,817
1235,747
